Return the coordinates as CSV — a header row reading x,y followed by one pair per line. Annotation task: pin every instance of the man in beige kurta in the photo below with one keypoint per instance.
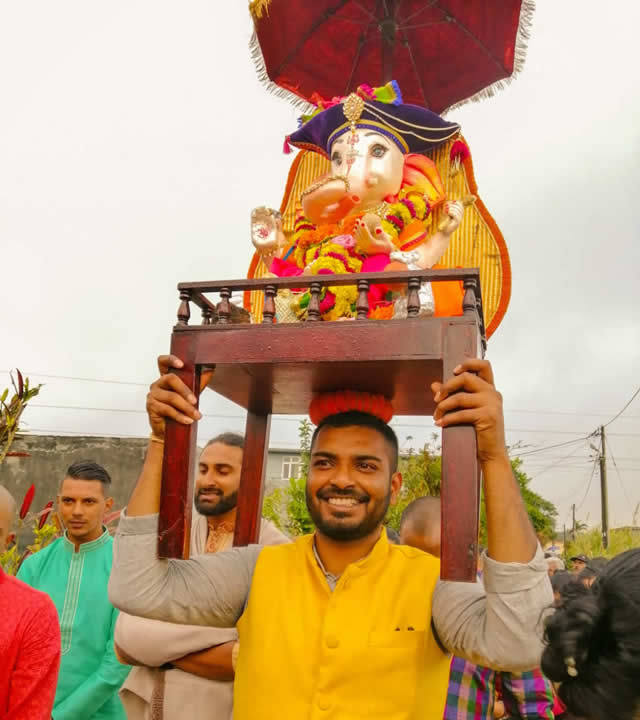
x,y
184,671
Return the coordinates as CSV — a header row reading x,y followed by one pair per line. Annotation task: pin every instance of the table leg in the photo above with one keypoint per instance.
x,y
460,494
254,466
174,524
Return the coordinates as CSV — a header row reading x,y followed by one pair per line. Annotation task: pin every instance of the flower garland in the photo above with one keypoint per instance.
x,y
411,207
329,258
307,235
315,249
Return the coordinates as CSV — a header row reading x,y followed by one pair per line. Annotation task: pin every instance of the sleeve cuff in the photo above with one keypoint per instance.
x,y
138,525
513,577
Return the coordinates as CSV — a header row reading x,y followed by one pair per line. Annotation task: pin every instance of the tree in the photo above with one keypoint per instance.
x,y
421,473
11,411
589,542
43,532
287,507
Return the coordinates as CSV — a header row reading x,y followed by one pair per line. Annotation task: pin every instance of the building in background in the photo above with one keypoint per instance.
x,y
43,459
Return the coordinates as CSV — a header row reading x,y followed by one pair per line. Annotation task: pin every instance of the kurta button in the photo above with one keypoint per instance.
x,y
323,702
332,641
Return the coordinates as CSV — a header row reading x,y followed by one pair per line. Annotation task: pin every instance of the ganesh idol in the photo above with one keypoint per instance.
x,y
373,211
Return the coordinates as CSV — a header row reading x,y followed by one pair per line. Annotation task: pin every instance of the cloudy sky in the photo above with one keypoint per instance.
x,y
135,138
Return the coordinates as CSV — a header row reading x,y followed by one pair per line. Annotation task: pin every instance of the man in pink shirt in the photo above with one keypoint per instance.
x,y
29,640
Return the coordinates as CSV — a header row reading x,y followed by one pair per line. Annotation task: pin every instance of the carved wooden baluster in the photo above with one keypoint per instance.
x,y
184,312
269,310
313,311
469,304
413,299
224,306
207,316
362,306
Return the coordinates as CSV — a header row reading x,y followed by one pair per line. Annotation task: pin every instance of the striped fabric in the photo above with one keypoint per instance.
x,y
471,690
526,696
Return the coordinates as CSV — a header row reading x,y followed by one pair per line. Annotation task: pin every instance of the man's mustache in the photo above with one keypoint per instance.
x,y
212,489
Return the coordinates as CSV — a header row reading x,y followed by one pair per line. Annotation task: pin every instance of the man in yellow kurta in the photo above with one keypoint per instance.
x,y
341,624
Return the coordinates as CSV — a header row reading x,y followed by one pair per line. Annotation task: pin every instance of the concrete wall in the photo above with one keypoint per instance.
x,y
50,455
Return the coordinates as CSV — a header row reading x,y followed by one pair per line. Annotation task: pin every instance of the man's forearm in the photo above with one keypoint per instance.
x,y
214,663
123,657
498,625
145,499
510,534
210,589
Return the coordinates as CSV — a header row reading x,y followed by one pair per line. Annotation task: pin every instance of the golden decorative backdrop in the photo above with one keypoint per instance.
x,y
478,241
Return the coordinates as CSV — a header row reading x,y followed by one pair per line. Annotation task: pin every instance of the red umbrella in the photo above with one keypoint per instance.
x,y
441,52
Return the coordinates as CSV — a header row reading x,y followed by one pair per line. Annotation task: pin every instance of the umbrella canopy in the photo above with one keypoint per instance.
x,y
441,52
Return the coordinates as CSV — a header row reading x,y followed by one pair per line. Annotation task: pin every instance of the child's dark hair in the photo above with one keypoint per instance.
x,y
593,643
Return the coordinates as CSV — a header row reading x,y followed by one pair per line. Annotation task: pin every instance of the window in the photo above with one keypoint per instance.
x,y
291,466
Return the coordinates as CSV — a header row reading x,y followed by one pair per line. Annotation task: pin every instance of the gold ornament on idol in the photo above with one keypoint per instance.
x,y
352,108
325,181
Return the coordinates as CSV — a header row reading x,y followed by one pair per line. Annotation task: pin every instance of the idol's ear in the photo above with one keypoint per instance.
x,y
421,175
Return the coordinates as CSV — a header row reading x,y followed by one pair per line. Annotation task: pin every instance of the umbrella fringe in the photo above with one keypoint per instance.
x,y
263,76
527,10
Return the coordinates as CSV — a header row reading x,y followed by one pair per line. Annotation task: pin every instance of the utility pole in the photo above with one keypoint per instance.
x,y
604,501
573,527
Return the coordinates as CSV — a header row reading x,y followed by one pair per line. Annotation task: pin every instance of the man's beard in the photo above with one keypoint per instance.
x,y
226,503
336,528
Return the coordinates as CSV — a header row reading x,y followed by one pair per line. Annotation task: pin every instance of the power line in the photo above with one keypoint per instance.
x,y
295,419
82,379
615,465
567,412
557,462
514,410
551,447
593,472
633,397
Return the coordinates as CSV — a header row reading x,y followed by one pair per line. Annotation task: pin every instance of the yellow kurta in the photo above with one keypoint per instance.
x,y
365,650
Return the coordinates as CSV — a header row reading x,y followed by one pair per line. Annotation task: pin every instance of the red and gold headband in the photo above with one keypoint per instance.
x,y
333,403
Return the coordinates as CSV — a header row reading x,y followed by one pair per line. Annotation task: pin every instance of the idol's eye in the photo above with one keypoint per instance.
x,y
378,151
336,158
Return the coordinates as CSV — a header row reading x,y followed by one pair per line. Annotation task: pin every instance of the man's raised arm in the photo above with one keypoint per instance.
x,y
208,590
498,626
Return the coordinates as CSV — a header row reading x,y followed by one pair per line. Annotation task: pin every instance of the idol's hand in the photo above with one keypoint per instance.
x,y
370,237
169,397
470,397
267,235
454,211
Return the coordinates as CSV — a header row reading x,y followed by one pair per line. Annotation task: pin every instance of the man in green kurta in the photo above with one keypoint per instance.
x,y
74,571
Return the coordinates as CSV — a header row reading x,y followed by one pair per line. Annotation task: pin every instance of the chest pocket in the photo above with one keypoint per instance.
x,y
408,639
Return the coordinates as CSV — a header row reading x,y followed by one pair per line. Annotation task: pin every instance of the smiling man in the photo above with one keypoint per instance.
x,y
74,571
341,624
187,670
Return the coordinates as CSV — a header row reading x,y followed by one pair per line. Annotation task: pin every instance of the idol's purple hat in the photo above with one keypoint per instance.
x,y
412,128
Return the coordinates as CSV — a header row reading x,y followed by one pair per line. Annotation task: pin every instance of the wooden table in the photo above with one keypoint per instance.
x,y
275,368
